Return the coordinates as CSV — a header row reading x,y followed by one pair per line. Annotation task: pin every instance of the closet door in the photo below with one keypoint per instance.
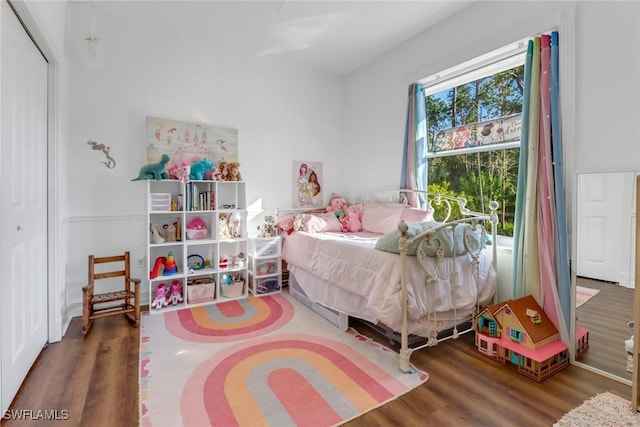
x,y
23,206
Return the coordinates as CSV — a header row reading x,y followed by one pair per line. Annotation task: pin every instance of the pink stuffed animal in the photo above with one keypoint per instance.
x,y
353,218
161,297
213,174
175,294
180,172
336,203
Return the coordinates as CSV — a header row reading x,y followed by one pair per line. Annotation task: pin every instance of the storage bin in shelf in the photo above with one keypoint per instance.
x,y
232,285
264,246
265,266
201,290
160,202
265,285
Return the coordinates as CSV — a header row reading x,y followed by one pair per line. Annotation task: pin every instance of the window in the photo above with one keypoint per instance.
x,y
473,126
488,325
515,335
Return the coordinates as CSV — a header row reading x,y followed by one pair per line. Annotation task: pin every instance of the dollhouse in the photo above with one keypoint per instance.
x,y
518,333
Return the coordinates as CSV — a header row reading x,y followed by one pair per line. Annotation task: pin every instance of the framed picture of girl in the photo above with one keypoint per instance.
x,y
307,184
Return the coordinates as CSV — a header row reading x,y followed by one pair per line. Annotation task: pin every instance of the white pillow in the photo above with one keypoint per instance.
x,y
381,217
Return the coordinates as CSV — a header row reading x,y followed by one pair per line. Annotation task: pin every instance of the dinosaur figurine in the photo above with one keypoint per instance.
x,y
157,171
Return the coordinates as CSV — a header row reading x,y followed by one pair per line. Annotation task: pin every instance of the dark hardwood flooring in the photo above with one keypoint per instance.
x,y
606,316
96,380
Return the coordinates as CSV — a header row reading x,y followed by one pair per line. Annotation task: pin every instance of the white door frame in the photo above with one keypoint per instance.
x,y
54,284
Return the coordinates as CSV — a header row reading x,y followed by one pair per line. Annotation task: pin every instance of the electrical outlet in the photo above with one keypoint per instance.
x,y
141,262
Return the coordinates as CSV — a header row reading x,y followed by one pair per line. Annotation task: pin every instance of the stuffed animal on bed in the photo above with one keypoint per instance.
x,y
342,217
336,203
353,218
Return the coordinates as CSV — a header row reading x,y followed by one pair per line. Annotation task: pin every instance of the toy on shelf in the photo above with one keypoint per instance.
x,y
196,229
195,262
223,226
239,261
212,174
155,171
160,299
232,285
223,263
233,172
170,267
180,172
170,232
234,225
199,168
155,234
175,293
268,228
158,267
178,226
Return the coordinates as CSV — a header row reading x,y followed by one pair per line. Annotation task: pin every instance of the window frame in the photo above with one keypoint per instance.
x,y
493,62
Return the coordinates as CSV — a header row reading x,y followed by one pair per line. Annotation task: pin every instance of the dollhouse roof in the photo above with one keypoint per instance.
x,y
492,309
524,309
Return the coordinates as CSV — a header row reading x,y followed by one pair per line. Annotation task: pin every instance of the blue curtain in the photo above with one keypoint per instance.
x,y
540,253
414,157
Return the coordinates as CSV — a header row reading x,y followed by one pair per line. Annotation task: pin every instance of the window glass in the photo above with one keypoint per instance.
x,y
473,128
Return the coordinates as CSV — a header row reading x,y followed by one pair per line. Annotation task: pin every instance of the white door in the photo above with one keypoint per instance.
x,y
604,219
23,207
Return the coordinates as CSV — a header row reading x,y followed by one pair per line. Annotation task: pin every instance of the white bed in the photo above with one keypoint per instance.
x,y
346,273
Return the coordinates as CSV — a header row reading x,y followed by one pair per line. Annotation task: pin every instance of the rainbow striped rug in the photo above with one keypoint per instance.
x,y
265,361
584,294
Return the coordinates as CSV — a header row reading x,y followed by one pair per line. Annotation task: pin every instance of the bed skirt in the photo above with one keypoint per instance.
x,y
340,320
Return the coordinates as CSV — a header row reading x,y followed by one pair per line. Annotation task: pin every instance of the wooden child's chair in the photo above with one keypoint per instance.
x,y
97,305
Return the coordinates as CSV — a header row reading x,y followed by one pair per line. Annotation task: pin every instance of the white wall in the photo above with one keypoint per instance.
x,y
185,61
182,61
606,85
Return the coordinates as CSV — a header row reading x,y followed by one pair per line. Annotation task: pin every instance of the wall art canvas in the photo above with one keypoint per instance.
x,y
307,184
189,142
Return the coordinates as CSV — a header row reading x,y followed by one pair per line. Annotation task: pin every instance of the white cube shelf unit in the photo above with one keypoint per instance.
x,y
197,238
265,265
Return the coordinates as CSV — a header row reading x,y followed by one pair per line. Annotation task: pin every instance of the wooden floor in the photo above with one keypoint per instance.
x,y
96,380
606,316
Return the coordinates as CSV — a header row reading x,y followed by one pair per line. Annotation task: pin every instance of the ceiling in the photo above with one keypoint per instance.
x,y
330,35
341,36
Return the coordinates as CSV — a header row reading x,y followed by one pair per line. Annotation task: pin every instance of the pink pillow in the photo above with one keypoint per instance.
x,y
410,214
285,223
381,217
318,223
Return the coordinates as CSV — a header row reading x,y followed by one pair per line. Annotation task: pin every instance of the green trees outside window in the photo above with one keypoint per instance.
x,y
483,172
